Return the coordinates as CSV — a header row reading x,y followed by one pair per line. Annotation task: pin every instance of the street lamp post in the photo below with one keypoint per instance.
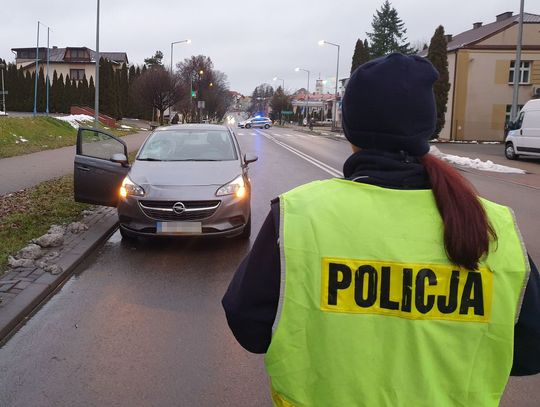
x,y
47,74
37,72
334,115
307,90
96,105
188,41
2,67
517,66
282,82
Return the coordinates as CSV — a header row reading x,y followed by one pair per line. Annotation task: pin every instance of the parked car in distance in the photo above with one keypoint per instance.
x,y
523,136
261,122
187,180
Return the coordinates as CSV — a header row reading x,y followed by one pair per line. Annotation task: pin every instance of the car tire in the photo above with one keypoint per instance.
x,y
266,126
248,126
127,236
510,151
246,232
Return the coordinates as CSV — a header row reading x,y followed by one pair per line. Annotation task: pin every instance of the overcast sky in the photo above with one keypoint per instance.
x,y
250,41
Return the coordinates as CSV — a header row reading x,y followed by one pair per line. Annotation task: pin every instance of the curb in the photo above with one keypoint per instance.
x,y
31,298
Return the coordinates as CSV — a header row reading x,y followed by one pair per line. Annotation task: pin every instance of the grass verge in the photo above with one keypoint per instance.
x,y
28,214
25,135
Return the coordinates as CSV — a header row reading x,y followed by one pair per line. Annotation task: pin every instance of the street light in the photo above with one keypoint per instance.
x,y
282,82
96,100
322,43
307,92
188,41
2,67
37,70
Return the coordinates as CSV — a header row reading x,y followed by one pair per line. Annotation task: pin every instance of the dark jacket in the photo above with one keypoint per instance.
x,y
251,300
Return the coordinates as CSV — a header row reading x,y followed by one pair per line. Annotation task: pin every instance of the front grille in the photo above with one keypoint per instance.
x,y
194,210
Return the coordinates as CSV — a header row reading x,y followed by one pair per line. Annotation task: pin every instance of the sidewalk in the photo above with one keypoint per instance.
x,y
320,131
23,289
29,170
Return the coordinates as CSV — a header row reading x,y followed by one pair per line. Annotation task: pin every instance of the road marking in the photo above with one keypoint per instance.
x,y
325,167
241,134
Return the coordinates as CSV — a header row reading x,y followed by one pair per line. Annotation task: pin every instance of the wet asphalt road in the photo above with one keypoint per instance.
x,y
141,324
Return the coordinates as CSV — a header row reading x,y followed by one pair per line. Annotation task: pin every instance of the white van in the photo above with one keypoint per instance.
x,y
524,135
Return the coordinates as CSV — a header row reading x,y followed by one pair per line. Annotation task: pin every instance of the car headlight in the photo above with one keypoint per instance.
x,y
130,188
237,187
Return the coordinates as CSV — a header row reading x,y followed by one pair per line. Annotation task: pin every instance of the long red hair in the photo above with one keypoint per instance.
x,y
467,230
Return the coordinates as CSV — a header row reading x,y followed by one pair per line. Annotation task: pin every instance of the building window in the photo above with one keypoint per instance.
x,y
77,74
508,110
524,72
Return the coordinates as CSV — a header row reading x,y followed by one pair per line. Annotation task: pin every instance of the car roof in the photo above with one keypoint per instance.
x,y
193,126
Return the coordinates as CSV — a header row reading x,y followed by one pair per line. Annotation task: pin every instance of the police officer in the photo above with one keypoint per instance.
x,y
397,285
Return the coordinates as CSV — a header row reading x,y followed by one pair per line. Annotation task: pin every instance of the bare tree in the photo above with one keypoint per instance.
x,y
197,75
157,89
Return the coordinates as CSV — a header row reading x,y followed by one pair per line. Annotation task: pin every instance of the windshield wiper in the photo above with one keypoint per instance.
x,y
197,159
149,159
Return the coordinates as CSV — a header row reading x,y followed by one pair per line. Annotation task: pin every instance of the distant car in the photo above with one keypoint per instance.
x,y
187,179
523,136
262,122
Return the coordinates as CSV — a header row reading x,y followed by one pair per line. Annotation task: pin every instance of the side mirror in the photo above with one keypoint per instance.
x,y
120,159
250,158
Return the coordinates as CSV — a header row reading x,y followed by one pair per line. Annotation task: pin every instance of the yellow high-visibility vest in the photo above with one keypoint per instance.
x,y
372,313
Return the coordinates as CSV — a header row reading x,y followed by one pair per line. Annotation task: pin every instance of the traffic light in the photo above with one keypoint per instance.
x,y
193,94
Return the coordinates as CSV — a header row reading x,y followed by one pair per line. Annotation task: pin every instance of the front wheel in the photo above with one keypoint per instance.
x,y
127,236
246,233
266,126
510,152
248,126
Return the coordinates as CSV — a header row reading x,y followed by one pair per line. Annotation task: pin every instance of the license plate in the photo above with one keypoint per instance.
x,y
179,227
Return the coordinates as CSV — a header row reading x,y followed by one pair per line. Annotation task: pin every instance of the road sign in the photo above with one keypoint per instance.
x,y
286,112
2,92
200,104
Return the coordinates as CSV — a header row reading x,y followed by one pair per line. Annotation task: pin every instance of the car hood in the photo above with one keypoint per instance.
x,y
184,173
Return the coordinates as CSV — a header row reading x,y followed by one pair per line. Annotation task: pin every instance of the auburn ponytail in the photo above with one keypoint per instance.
x,y
467,230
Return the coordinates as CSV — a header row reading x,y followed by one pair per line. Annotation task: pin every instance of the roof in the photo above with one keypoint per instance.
x,y
475,35
57,54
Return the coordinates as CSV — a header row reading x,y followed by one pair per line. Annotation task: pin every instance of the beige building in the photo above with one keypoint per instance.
x,y
73,61
481,69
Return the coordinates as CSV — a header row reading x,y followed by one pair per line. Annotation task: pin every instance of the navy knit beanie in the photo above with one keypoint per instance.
x,y
389,104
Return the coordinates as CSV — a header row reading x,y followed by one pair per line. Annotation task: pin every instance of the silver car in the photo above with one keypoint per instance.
x,y
261,122
188,179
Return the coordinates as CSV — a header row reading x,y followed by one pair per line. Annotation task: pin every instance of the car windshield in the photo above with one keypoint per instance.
x,y
188,145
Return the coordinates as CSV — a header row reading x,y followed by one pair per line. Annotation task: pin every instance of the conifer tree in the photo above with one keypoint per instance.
x,y
123,90
438,57
61,103
360,56
53,93
68,94
388,33
41,95
91,93
83,92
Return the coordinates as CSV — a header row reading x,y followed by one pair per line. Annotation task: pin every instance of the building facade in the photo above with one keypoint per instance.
x,y
481,74
76,62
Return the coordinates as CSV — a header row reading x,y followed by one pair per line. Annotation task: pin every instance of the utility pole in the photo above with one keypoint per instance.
x,y
37,72
96,106
47,76
517,65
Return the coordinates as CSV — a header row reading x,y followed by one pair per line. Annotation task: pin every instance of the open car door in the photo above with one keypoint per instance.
x,y
100,166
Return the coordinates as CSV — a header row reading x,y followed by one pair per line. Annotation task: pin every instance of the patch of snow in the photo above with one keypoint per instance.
x,y
125,127
475,163
75,119
22,140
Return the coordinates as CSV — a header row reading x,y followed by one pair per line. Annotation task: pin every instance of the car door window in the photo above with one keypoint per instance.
x,y
96,144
